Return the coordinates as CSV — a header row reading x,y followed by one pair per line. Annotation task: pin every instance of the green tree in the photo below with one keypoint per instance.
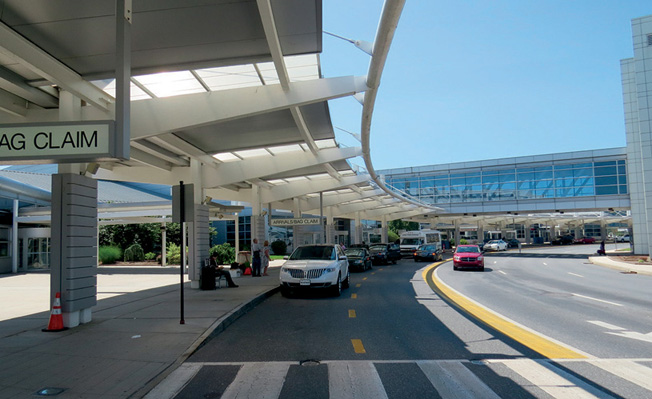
x,y
398,225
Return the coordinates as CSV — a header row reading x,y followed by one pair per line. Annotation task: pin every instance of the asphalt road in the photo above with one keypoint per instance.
x,y
390,336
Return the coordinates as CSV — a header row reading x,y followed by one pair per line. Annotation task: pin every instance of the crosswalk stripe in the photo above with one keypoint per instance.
x,y
174,382
354,380
258,380
547,380
454,380
628,370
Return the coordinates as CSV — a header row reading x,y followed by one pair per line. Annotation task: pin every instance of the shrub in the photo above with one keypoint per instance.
x,y
279,247
224,253
109,255
463,241
134,254
174,254
150,256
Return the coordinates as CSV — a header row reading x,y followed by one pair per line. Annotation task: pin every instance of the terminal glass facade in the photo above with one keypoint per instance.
x,y
515,183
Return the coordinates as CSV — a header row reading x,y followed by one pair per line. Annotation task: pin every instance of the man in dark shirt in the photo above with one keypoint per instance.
x,y
219,271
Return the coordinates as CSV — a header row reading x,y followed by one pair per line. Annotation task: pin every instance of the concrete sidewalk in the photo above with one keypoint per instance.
x,y
134,340
612,262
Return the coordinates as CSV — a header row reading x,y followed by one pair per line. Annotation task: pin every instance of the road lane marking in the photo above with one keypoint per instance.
x,y
364,278
358,285
354,296
357,346
258,380
548,380
534,340
454,380
354,380
596,299
605,325
372,273
628,370
175,382
500,271
575,274
545,264
352,313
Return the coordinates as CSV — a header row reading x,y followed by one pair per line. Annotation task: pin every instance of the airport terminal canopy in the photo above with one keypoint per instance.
x,y
228,95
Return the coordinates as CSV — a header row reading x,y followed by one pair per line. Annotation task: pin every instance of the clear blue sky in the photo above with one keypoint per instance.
x,y
473,80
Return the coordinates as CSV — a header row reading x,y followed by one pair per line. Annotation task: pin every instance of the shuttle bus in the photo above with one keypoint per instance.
x,y
411,240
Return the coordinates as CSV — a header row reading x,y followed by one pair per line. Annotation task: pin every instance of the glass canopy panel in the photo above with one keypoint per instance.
x,y
226,157
328,143
230,77
285,149
255,152
268,72
167,84
136,92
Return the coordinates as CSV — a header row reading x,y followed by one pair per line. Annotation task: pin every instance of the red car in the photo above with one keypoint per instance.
x,y
584,240
468,257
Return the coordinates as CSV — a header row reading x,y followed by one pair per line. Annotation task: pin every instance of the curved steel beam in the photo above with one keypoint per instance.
x,y
386,28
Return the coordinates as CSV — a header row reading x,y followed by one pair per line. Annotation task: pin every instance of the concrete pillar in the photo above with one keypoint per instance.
x,y
73,262
330,226
457,232
357,239
297,231
480,232
164,244
258,229
14,239
383,231
237,234
198,243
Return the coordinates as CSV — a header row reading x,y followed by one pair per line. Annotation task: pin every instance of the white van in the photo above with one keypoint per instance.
x,y
411,240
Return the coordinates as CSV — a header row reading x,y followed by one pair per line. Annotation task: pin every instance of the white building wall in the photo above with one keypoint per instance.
x,y
637,96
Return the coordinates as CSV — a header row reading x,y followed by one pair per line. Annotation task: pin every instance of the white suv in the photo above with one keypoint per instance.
x,y
315,266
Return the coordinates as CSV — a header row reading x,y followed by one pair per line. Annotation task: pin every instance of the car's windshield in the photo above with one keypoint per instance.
x,y
377,248
412,241
467,249
427,248
354,252
307,252
493,242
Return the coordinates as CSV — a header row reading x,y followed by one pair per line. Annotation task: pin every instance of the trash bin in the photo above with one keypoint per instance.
x,y
207,278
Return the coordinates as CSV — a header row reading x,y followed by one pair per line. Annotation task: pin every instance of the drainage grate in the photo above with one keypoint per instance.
x,y
309,362
49,391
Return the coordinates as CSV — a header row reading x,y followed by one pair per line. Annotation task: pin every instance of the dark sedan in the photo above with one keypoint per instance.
x,y
359,259
385,253
427,252
562,240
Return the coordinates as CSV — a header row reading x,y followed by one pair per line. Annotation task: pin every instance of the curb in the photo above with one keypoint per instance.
x,y
620,266
215,329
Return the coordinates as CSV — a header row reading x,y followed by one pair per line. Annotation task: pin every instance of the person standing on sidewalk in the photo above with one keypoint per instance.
x,y
266,258
256,258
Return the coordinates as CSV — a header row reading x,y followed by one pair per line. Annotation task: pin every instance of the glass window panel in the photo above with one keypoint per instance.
x,y
543,174
508,177
457,180
607,163
563,183
474,179
545,193
565,192
526,176
583,165
622,170
525,194
526,185
622,189
582,191
442,182
442,199
622,179
490,172
563,173
583,172
507,194
605,171
507,186
583,182
606,190
544,184
563,167
490,178
429,199
606,180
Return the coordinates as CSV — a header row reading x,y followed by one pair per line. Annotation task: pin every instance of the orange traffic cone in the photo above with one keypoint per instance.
x,y
56,319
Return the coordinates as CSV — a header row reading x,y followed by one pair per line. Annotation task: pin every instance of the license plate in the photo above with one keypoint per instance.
x,y
305,281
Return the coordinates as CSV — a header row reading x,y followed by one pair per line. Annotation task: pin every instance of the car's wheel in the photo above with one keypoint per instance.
x,y
337,287
345,283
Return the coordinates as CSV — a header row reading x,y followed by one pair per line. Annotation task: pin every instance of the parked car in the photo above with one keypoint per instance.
x,y
512,243
624,238
359,258
385,253
495,245
584,240
315,266
427,252
468,257
562,240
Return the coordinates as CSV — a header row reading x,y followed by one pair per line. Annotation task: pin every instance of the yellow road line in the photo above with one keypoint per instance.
x,y
352,313
364,278
529,338
357,346
358,285
354,296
